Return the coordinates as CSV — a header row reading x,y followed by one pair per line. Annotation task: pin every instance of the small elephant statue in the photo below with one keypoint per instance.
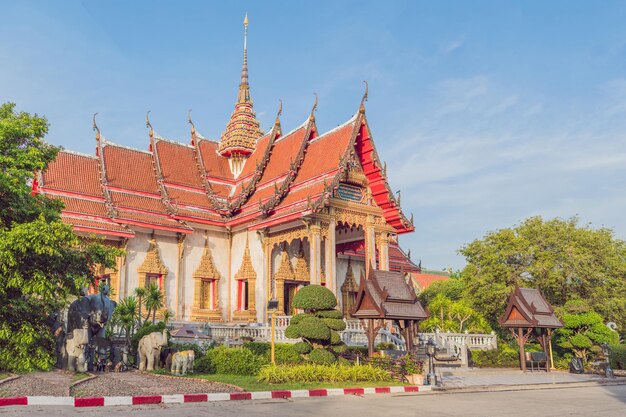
x,y
183,362
75,347
149,350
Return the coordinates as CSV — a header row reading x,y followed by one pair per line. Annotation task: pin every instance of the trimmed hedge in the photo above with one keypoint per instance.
x,y
504,357
281,374
258,348
618,356
314,297
235,361
322,357
302,348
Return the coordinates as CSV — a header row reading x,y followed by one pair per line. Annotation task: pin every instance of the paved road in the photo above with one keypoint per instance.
x,y
595,401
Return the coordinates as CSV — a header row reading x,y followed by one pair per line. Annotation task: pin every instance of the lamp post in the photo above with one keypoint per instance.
x,y
431,378
272,305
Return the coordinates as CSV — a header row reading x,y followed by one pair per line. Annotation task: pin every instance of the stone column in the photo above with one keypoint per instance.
x,y
330,253
180,278
315,254
383,251
370,244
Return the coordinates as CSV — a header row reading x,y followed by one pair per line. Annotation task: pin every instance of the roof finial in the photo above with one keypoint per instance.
x,y
193,127
95,127
244,69
148,123
364,99
314,107
280,111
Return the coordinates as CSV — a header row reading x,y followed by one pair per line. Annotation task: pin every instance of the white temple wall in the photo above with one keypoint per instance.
x,y
194,249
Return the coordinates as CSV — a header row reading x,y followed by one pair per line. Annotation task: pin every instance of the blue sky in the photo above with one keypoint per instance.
x,y
486,112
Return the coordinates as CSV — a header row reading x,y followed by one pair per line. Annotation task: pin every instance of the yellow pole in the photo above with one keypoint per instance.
x,y
273,338
550,348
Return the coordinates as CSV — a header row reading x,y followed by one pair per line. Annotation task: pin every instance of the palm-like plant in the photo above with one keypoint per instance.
x,y
140,293
167,315
154,300
125,316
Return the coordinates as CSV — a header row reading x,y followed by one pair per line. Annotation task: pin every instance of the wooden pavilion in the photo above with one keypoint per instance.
x,y
385,295
528,313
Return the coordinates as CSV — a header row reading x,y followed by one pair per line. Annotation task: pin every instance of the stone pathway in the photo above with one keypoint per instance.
x,y
462,378
55,383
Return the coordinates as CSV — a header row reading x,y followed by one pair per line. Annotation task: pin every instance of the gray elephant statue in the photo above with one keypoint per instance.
x,y
96,309
149,350
75,347
183,362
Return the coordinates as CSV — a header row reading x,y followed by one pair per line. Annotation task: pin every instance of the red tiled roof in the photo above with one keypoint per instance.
x,y
256,156
149,218
324,152
73,173
189,197
284,152
95,224
129,168
214,164
83,206
424,280
133,201
178,164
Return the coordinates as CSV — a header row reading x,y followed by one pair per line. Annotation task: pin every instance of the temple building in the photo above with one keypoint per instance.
x,y
224,226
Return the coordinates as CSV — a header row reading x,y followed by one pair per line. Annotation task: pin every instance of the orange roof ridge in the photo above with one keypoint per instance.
x,y
172,141
294,130
130,148
85,155
333,130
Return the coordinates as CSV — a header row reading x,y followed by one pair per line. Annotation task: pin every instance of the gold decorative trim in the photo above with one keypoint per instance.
x,y
207,268
152,264
285,270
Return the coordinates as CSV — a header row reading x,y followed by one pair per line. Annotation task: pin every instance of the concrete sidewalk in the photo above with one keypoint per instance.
x,y
474,377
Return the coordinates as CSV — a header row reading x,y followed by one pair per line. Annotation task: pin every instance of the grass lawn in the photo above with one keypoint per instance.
x,y
249,383
4,375
79,375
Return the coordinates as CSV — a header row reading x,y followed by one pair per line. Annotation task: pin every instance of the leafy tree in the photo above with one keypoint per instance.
x,y
318,325
126,316
563,259
453,316
140,294
452,289
583,329
42,262
154,300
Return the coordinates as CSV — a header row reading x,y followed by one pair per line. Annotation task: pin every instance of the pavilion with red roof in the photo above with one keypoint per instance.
x,y
224,226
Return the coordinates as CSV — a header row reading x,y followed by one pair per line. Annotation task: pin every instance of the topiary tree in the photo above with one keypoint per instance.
x,y
319,325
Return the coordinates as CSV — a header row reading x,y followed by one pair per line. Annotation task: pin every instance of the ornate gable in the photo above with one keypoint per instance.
x,y
301,273
285,270
207,268
152,264
246,270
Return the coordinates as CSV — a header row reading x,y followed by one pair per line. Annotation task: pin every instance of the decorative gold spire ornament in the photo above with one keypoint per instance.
x,y
242,131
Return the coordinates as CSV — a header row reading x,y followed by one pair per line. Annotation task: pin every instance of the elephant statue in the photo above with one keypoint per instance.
x,y
149,350
182,362
75,347
94,309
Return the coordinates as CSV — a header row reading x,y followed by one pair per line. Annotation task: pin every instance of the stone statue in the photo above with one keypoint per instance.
x,y
86,318
182,362
75,347
149,350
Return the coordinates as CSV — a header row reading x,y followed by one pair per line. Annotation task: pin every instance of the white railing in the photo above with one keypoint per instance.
x,y
354,335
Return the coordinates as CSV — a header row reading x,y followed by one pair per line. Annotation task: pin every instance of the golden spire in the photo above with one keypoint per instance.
x,y
243,129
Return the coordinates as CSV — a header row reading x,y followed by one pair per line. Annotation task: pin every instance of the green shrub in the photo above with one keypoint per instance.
x,y
235,361
203,365
503,357
286,354
309,327
618,356
335,324
280,374
258,348
199,350
302,348
330,314
315,297
384,346
322,357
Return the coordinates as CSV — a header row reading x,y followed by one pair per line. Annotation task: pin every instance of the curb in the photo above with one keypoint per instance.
x,y
196,398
